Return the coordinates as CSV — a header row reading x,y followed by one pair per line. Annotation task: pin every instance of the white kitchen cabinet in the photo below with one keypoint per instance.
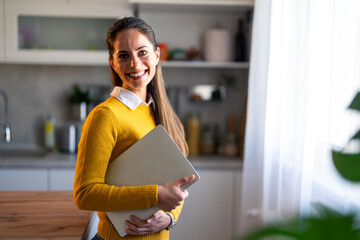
x,y
197,2
2,27
237,208
32,179
181,24
17,179
60,31
205,65
61,178
210,212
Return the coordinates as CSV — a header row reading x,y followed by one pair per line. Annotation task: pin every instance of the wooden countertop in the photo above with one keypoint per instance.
x,y
40,215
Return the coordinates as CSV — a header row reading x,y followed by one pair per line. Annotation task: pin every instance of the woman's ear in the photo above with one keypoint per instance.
x,y
111,63
157,54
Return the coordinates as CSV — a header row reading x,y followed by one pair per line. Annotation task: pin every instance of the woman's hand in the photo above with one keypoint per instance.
x,y
170,194
157,222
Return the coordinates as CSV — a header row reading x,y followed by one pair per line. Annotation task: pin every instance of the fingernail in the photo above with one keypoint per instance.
x,y
148,220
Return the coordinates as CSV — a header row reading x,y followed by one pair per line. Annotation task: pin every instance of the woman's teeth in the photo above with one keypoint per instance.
x,y
137,74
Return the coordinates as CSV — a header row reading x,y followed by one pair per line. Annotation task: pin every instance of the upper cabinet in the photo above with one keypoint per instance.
x,y
59,31
2,26
200,33
198,2
74,31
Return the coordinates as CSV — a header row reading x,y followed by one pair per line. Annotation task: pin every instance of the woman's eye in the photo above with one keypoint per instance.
x,y
142,52
123,56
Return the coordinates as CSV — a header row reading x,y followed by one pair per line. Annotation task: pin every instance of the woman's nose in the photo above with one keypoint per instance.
x,y
134,62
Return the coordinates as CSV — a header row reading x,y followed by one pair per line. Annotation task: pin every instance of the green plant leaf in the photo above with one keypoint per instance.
x,y
347,164
273,231
357,135
355,104
329,228
326,212
327,225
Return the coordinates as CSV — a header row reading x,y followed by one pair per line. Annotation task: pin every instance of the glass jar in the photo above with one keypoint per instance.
x,y
209,139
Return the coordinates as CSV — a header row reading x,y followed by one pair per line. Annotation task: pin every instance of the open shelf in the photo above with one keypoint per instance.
x,y
204,5
203,64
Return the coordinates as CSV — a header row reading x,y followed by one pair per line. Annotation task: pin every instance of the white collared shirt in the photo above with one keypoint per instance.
x,y
129,98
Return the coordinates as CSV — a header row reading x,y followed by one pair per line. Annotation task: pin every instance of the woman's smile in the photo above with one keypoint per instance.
x,y
137,75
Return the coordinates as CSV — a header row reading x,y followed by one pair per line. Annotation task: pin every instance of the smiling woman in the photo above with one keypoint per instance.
x,y
137,104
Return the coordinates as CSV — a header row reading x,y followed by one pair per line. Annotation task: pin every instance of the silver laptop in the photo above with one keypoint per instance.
x,y
154,159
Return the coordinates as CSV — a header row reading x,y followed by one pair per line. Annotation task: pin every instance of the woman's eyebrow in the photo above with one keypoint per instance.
x,y
124,51
121,51
142,47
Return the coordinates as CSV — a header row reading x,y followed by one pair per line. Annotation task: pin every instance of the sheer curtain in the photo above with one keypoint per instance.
x,y
304,72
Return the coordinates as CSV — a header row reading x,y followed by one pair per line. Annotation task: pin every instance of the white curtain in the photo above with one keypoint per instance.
x,y
304,72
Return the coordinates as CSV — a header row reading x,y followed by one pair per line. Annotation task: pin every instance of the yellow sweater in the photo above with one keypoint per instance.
x,y
109,130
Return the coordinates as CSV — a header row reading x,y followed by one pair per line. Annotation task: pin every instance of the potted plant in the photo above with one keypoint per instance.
x,y
328,224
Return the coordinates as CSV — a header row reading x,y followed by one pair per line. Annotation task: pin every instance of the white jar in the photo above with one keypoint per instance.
x,y
217,45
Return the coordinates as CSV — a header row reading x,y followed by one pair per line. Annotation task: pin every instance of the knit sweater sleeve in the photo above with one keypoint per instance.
x,y
176,212
98,138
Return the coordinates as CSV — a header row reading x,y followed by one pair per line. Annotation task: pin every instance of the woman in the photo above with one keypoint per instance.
x,y
137,104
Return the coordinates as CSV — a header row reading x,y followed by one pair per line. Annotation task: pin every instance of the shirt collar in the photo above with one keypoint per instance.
x,y
129,98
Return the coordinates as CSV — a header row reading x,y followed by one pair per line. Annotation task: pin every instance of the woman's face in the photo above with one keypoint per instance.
x,y
134,60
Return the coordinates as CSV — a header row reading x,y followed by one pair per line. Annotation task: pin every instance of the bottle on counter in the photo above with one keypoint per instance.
x,y
193,124
209,139
240,43
49,132
231,146
68,141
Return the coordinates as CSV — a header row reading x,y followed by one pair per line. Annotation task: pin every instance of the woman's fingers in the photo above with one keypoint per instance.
x,y
136,227
155,223
171,194
137,221
184,180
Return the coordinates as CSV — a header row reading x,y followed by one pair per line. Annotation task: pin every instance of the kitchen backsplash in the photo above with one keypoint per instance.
x,y
36,90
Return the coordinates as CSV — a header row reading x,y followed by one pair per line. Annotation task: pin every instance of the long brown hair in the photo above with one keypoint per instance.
x,y
164,113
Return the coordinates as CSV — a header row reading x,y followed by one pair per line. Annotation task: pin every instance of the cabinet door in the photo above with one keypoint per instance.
x,y
59,31
208,211
61,179
237,209
23,179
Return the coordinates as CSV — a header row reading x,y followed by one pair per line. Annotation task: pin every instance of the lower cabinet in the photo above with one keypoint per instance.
x,y
12,179
33,179
211,211
61,179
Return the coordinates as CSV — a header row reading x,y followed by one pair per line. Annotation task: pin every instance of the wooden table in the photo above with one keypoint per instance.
x,y
40,215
